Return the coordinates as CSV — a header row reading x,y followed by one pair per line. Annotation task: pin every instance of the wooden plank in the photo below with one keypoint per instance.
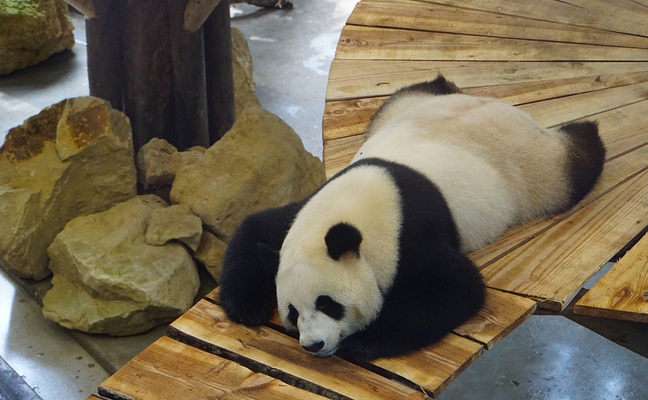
x,y
554,266
559,111
358,42
352,79
346,118
502,313
173,370
343,118
545,89
338,153
268,351
623,129
452,19
623,292
602,14
434,367
448,358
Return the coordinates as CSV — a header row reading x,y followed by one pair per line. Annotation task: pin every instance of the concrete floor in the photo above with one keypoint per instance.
x,y
548,357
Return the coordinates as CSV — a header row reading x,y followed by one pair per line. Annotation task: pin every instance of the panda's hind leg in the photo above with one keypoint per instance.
x,y
438,86
586,154
403,98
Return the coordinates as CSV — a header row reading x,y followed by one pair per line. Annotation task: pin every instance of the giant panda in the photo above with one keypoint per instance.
x,y
373,264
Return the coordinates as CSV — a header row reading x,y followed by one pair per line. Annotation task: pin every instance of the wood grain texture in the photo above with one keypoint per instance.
x,y
435,367
502,313
616,16
173,370
555,265
368,43
350,79
562,110
278,355
96,397
623,292
489,326
435,17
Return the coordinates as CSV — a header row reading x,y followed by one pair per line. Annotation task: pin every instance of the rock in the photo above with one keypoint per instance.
x,y
107,279
158,160
31,31
244,87
175,222
74,158
260,163
210,253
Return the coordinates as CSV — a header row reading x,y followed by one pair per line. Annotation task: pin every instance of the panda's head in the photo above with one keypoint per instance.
x,y
328,292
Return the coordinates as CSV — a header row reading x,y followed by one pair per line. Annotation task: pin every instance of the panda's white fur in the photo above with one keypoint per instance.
x,y
373,263
367,197
495,166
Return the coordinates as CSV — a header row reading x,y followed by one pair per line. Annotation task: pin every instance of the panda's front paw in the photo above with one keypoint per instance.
x,y
356,347
250,311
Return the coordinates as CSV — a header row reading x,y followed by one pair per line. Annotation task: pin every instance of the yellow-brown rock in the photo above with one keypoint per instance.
x,y
108,279
31,31
158,160
260,163
210,253
176,222
74,158
244,87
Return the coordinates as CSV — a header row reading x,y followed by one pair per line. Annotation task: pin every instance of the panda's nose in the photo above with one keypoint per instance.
x,y
315,347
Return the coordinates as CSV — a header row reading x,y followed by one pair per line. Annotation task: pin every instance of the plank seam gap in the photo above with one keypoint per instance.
x,y
623,153
372,367
596,113
253,365
387,27
539,19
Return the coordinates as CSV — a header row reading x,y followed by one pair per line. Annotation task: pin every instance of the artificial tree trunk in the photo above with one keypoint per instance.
x,y
154,60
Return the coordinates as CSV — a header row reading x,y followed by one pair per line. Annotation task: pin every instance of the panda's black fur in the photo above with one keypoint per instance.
x,y
435,288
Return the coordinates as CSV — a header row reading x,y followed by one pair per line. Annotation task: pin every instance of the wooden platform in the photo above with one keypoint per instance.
x,y
560,61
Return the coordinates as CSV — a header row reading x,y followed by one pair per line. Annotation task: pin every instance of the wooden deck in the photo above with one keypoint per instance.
x,y
560,61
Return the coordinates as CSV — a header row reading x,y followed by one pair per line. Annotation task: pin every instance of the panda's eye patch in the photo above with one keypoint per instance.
x,y
330,307
293,314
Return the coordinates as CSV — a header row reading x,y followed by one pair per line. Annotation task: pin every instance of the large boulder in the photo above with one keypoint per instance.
x,y
108,279
74,158
260,163
31,31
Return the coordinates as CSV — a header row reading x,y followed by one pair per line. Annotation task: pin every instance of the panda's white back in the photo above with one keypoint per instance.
x,y
493,164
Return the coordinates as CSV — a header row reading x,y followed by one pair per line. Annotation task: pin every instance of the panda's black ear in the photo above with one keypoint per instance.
x,y
343,238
